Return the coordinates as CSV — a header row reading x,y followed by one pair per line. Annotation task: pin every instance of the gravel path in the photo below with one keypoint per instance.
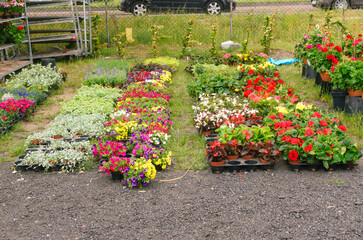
x,y
259,205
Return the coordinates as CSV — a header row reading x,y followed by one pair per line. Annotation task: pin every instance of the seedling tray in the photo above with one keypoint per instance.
x,y
240,164
211,138
36,168
316,167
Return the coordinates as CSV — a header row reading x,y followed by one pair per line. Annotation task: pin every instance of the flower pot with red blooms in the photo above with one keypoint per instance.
x,y
16,33
231,148
325,57
268,153
116,166
216,153
353,46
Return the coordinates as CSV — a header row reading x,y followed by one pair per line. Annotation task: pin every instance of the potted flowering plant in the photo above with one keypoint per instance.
x,y
16,8
268,152
348,75
325,58
116,166
354,47
107,149
16,34
5,10
139,174
216,153
300,49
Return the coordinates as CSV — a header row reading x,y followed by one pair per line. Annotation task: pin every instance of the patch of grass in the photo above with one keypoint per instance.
x,y
87,165
187,146
336,181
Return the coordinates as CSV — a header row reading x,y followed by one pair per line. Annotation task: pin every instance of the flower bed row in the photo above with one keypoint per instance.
x,y
130,127
64,144
132,147
255,115
24,91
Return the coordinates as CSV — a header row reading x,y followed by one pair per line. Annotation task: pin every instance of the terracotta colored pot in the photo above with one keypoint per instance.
x,y
57,137
7,16
353,93
35,142
247,156
207,133
216,164
263,161
232,157
305,61
325,76
294,162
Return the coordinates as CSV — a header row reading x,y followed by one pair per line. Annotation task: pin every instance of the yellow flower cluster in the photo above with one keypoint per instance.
x,y
163,161
158,108
255,66
143,164
246,67
282,110
245,57
300,106
123,129
166,76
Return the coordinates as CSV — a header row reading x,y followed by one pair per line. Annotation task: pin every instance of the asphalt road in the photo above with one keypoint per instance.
x,y
241,9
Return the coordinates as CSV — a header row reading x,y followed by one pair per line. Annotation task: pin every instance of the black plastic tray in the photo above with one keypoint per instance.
x,y
242,165
316,167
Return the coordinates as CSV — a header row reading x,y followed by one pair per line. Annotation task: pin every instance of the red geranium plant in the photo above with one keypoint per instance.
x,y
325,57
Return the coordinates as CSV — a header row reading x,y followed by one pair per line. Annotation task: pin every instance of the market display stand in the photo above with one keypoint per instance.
x,y
8,62
52,22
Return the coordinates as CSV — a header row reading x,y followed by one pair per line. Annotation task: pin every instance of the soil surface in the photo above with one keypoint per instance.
x,y
280,204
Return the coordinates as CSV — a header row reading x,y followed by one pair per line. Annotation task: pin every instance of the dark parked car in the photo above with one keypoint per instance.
x,y
337,4
140,7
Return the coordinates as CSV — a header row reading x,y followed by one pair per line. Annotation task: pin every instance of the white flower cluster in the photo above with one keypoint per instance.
x,y
215,102
119,113
37,75
159,138
7,96
207,120
67,158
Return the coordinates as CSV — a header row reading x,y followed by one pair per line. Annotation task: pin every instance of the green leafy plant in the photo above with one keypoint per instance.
x,y
187,38
96,45
156,37
213,38
268,31
121,43
244,44
348,75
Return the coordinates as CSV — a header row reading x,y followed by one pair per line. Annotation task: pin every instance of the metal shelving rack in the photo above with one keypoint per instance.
x,y
8,63
41,14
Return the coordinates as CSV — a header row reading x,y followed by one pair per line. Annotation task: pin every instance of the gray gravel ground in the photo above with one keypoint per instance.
x,y
259,205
